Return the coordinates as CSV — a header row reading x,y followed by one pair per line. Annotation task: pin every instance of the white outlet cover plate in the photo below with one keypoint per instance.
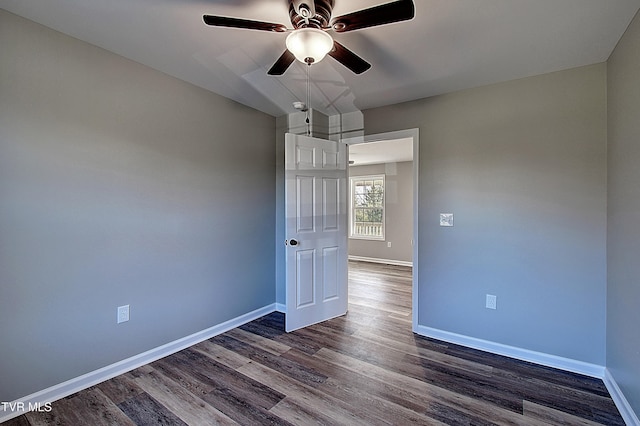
x,y
123,314
491,302
446,219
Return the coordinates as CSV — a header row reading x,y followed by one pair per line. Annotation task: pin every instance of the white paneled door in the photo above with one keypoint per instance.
x,y
316,229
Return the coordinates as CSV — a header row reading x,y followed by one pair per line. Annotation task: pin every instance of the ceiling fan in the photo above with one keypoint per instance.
x,y
309,41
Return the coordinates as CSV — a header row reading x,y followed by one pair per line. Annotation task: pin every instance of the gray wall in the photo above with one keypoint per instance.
x,y
522,165
623,239
398,213
120,185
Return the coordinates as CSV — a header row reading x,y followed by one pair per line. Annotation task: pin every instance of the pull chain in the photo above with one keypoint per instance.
x,y
308,104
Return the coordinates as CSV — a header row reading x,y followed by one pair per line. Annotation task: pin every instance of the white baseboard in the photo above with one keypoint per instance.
x,y
281,307
567,364
383,261
45,396
627,413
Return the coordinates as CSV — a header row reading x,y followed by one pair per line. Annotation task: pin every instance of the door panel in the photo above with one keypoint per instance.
x,y
330,204
305,192
316,227
331,268
305,278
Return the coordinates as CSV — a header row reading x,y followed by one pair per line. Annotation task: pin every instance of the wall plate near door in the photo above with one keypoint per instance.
x,y
446,219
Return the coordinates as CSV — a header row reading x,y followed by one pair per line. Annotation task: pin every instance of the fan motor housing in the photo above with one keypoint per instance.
x,y
320,20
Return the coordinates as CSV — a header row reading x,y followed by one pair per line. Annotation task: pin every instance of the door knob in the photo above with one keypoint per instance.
x,y
293,242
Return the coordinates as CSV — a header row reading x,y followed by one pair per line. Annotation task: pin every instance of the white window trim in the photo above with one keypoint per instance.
x,y
384,206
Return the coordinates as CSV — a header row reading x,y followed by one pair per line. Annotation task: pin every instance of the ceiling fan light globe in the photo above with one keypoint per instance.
x,y
309,45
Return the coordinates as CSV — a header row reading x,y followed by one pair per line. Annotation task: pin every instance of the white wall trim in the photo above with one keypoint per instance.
x,y
92,378
281,307
384,261
627,413
567,364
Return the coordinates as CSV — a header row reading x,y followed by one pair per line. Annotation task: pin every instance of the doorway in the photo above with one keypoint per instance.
x,y
383,248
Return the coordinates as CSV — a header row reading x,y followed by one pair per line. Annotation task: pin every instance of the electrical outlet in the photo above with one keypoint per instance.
x,y
389,244
491,301
123,313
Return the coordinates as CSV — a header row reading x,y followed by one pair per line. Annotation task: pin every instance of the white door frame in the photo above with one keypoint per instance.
x,y
402,134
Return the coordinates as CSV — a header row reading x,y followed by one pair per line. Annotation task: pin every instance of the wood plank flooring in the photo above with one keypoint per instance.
x,y
366,368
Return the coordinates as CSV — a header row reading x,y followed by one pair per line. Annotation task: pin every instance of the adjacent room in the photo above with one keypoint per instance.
x,y
145,230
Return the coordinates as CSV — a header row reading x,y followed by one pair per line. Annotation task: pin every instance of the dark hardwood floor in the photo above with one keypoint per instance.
x,y
366,368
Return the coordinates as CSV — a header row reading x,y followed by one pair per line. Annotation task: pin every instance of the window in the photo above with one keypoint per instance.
x,y
367,207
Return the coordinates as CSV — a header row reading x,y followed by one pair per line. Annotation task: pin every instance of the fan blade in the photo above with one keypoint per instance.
x,y
396,11
223,21
349,59
283,62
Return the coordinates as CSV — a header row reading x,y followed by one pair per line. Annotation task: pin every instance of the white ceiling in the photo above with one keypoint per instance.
x,y
450,45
